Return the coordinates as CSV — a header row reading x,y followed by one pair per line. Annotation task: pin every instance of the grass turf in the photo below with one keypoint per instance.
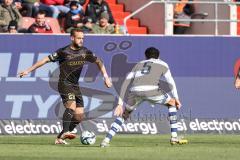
x,y
127,147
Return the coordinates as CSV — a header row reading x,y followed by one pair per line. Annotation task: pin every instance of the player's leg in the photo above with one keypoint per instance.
x,y
77,118
67,93
67,117
166,100
132,103
115,127
79,111
172,114
72,99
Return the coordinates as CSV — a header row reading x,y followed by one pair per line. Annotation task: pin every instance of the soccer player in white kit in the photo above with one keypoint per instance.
x,y
150,80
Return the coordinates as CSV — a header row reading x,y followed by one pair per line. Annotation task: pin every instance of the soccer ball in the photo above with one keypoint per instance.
x,y
88,138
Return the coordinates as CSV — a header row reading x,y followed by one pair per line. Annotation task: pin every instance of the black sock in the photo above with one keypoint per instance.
x,y
67,116
60,134
73,124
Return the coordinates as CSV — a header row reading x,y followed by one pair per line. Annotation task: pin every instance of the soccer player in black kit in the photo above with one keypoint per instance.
x,y
71,60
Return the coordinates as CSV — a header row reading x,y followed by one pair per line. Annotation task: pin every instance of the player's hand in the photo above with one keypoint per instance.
x,y
178,104
237,83
108,82
23,73
118,111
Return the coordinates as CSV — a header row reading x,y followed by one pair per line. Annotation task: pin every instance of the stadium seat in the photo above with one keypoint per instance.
x,y
137,30
130,22
117,7
119,14
111,1
27,22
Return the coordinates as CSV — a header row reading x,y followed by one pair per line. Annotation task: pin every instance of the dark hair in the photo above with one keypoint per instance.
x,y
73,31
74,3
41,12
13,25
189,9
82,2
152,52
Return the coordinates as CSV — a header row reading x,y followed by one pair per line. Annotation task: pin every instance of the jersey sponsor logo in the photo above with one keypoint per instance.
x,y
75,63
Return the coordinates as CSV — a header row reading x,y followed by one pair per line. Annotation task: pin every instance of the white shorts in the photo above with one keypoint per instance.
x,y
133,101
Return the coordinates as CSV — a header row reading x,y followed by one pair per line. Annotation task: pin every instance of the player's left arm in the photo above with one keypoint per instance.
x,y
34,67
102,68
90,57
170,80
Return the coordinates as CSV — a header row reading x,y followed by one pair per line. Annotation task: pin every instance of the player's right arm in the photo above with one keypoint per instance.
x,y
54,57
34,67
129,78
124,87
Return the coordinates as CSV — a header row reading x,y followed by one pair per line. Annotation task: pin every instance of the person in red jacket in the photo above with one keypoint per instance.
x,y
40,25
57,7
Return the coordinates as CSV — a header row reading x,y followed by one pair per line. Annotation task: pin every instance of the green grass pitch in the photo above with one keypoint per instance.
x,y
127,147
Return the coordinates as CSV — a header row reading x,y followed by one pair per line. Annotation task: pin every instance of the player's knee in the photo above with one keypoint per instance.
x,y
79,117
70,105
171,103
126,114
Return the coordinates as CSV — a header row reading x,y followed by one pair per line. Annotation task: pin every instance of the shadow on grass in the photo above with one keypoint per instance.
x,y
92,146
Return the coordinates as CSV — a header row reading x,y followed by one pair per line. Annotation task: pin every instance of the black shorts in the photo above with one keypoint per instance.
x,y
70,92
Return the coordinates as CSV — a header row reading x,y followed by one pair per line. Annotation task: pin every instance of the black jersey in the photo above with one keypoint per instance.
x,y
71,62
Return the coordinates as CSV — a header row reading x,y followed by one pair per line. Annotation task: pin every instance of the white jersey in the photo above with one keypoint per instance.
x,y
150,78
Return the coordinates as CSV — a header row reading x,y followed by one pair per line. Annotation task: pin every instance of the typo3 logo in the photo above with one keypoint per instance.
x,y
112,46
